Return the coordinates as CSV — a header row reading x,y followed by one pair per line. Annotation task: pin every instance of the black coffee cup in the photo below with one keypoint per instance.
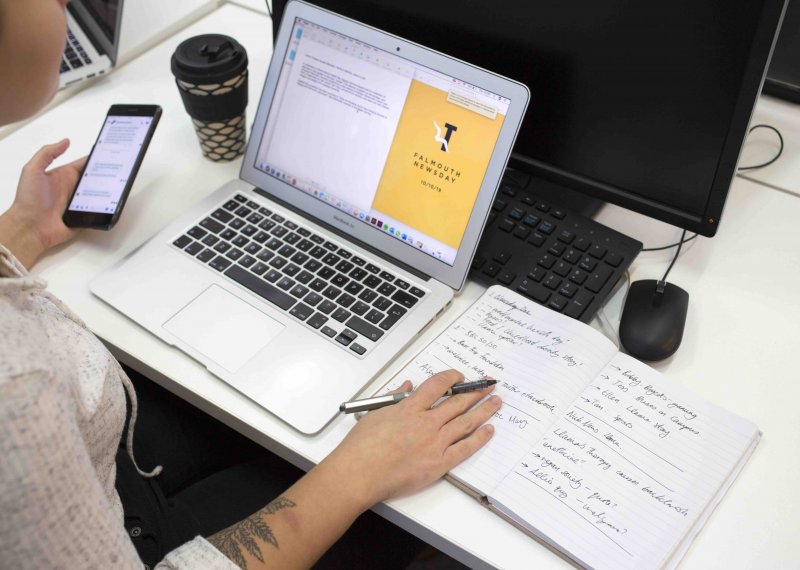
x,y
211,74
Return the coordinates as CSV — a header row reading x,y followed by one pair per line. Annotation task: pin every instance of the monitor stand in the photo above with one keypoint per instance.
x,y
546,189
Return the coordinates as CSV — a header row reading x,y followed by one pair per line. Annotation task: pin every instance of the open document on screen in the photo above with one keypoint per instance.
x,y
394,144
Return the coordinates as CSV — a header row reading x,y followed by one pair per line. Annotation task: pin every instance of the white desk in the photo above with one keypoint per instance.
x,y
742,326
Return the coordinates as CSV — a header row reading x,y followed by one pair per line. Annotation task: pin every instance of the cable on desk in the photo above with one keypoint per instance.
x,y
663,282
670,246
269,8
773,159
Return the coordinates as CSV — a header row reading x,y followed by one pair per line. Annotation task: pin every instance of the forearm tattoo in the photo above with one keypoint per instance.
x,y
249,534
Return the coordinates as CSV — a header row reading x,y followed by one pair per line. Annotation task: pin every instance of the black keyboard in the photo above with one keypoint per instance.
x,y
348,299
558,258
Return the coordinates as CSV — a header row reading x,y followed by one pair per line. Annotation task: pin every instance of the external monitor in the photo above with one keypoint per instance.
x,y
641,104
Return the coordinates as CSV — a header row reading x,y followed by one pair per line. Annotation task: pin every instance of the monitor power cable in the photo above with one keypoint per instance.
x,y
774,158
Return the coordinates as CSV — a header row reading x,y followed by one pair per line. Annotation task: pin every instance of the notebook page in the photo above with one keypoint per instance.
x,y
621,478
541,359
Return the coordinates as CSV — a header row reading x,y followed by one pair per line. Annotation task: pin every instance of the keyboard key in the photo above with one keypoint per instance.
x,y
316,239
577,305
317,321
247,261
477,262
222,215
521,232
360,308
330,246
259,268
393,315
326,307
326,272
287,251
537,274
557,248
507,225
543,206
404,299
279,231
255,218
598,251
206,256
234,254
241,199
552,282
598,279
372,281
386,289
274,244
516,214
304,245
345,300
222,247
260,287
330,259
249,230
318,285
252,248
344,266
346,337
244,211
386,276
265,255
340,280
253,205
367,295
273,275
328,331
502,256
558,213
211,239
303,232
197,232
298,291
587,264
220,263
566,236
531,220
301,311
285,283
568,289
561,268
341,315
573,256
312,299
304,277
374,316
266,225
182,242
291,239
364,328
400,284
547,261
264,211
358,261
313,265
299,258
317,252
372,268
614,259
578,276
291,270
278,262
492,269
582,244
499,205
331,292
354,288
546,228
417,292
237,223
240,241
506,277
357,348
557,303
533,290
228,234
537,239
382,303
231,205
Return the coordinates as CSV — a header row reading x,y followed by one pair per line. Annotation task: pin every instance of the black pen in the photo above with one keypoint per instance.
x,y
368,404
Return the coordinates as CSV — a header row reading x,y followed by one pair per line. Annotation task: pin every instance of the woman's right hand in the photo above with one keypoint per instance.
x,y
402,448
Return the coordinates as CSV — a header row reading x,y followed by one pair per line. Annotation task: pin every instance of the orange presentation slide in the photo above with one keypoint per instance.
x,y
436,164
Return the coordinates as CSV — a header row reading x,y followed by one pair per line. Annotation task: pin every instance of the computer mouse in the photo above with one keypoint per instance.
x,y
651,327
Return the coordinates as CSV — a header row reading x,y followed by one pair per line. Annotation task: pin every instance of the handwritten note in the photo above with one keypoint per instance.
x,y
628,469
542,363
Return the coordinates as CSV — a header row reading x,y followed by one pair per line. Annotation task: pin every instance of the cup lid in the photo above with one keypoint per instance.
x,y
209,58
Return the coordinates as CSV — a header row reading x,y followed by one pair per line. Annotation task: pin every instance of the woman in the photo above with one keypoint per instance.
x,y
63,396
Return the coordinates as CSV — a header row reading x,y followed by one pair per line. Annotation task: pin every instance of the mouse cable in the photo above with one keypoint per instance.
x,y
661,285
670,246
269,8
774,158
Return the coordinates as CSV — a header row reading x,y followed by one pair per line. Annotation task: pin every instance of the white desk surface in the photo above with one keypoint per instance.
x,y
737,351
763,144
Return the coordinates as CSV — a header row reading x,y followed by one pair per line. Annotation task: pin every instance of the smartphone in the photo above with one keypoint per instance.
x,y
106,180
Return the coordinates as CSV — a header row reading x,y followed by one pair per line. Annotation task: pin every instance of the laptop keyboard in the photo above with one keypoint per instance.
x,y
344,297
74,55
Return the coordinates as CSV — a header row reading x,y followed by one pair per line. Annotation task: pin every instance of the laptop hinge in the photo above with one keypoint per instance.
x,y
415,272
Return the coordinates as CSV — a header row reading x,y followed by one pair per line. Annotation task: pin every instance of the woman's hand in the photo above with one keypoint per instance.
x,y
33,222
402,448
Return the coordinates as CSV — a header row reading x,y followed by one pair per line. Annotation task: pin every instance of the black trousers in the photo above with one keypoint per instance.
x,y
214,477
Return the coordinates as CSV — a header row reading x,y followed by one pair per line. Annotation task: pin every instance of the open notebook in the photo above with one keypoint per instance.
x,y
596,454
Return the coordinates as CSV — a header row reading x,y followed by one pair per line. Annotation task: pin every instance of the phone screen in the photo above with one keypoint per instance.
x,y
113,158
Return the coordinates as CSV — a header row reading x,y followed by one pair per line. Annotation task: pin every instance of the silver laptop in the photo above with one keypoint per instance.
x,y
367,179
93,28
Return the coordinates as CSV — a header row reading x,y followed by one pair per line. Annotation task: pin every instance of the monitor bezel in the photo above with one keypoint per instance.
x,y
377,240
96,34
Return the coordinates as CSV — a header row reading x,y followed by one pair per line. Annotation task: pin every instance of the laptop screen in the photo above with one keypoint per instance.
x,y
104,14
394,144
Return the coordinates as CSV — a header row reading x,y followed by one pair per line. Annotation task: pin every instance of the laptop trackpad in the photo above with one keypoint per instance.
x,y
223,328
